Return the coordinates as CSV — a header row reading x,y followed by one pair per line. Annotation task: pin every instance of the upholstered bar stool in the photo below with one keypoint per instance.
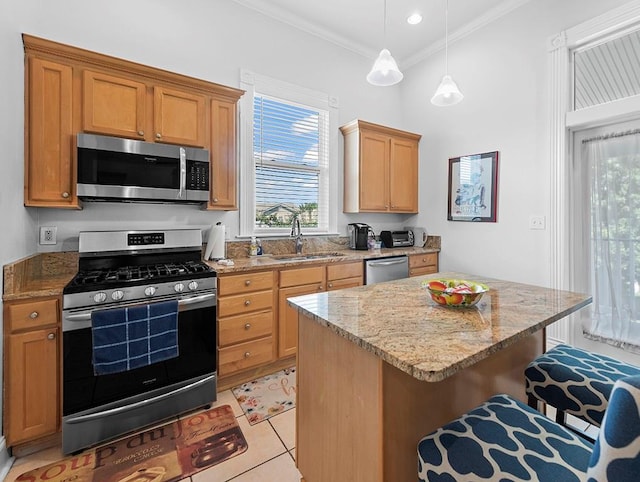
x,y
574,381
504,439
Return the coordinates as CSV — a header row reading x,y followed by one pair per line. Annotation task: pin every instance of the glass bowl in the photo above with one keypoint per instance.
x,y
456,293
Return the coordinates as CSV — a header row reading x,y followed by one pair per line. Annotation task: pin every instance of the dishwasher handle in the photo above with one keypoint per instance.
x,y
387,263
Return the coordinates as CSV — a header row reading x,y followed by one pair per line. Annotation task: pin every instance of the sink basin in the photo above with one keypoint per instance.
x,y
303,257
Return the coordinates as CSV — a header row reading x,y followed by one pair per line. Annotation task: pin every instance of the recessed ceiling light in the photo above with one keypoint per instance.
x,y
414,19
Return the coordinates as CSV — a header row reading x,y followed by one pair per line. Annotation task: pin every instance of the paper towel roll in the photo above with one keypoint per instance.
x,y
215,243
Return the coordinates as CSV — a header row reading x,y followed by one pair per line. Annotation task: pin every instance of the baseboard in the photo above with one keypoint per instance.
x,y
6,460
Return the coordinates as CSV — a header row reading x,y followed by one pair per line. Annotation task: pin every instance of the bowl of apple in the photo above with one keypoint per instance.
x,y
456,293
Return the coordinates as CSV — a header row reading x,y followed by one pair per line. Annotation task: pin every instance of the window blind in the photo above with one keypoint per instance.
x,y
290,151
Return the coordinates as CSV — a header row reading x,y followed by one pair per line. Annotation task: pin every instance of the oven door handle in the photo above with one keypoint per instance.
x,y
86,315
141,403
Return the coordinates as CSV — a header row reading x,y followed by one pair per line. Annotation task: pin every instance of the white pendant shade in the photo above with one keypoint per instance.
x,y
447,93
385,70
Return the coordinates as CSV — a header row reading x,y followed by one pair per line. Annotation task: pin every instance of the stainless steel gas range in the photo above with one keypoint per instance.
x,y
122,274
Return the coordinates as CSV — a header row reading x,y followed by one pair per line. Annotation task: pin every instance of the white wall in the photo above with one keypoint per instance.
x,y
502,71
211,40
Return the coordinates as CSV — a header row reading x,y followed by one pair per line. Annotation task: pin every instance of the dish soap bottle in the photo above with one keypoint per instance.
x,y
253,247
258,247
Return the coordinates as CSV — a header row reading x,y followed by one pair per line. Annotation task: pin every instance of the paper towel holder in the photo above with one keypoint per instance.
x,y
216,242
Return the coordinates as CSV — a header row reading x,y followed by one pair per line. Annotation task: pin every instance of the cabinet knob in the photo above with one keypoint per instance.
x,y
215,199
320,288
330,285
247,282
141,133
51,336
34,315
247,326
65,194
247,354
386,206
247,302
158,136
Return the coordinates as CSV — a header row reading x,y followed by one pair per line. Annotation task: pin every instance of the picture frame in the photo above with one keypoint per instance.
x,y
473,188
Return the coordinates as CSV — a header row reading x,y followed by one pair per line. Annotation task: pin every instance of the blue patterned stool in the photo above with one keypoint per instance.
x,y
505,440
574,381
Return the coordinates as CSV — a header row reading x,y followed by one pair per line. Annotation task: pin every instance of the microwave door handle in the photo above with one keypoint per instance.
x,y
183,173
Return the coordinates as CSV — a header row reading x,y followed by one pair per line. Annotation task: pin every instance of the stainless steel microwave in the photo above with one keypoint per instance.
x,y
117,169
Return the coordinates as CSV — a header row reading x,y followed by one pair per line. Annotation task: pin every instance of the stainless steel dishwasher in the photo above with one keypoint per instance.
x,y
386,269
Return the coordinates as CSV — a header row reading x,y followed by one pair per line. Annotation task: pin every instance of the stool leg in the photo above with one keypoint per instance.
x,y
561,417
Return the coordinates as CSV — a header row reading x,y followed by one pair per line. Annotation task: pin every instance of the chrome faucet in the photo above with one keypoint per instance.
x,y
295,231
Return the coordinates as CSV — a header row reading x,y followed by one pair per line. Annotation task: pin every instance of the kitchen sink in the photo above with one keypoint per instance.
x,y
301,257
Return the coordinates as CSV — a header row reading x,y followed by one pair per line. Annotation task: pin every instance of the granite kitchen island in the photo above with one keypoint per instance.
x,y
382,365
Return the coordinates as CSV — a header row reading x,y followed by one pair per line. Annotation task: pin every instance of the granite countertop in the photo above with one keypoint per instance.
x,y
46,274
278,261
398,322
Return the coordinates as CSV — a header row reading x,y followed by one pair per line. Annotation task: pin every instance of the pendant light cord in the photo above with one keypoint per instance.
x,y
384,26
446,38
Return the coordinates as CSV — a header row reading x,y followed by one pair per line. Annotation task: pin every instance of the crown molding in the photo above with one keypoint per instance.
x,y
284,16
300,23
482,21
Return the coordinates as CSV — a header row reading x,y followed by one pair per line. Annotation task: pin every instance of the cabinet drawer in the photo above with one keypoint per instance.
x,y
33,314
245,355
244,283
301,276
245,303
345,270
344,283
420,260
237,329
423,270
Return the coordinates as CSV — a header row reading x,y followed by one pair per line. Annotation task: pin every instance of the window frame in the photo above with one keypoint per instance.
x,y
252,83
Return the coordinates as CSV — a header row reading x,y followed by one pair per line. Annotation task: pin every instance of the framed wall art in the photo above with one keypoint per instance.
x,y
473,188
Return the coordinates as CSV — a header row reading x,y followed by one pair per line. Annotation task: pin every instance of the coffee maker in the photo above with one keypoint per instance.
x,y
358,234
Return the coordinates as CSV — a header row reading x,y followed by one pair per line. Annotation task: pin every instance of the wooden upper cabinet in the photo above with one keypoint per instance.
x,y
380,169
113,106
223,155
70,90
49,167
179,117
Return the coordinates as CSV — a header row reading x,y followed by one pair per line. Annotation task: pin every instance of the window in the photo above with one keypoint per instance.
x,y
286,168
606,202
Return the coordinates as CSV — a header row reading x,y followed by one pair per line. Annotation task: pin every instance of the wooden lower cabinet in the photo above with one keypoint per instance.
x,y
246,322
31,369
295,282
421,264
304,281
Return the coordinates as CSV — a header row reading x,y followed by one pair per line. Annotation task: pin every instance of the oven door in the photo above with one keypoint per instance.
x,y
109,405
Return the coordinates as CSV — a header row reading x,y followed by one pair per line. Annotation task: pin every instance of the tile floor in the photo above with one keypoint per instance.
x,y
270,456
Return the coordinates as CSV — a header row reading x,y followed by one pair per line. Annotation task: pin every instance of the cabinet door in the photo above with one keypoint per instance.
x,y
374,168
49,168
179,117
31,378
223,155
403,176
288,318
113,105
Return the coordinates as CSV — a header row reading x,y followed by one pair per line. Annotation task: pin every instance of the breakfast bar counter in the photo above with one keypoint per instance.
x,y
381,366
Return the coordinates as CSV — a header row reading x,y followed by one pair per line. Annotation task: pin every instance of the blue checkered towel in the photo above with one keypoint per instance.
x,y
133,337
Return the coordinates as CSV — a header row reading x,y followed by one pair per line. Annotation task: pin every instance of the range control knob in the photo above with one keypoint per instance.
x,y
193,285
179,287
100,297
117,295
150,290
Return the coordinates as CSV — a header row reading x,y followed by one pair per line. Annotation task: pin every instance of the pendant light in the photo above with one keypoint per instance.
x,y
385,70
448,92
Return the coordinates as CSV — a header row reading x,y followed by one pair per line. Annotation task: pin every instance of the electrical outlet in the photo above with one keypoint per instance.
x,y
48,234
536,222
